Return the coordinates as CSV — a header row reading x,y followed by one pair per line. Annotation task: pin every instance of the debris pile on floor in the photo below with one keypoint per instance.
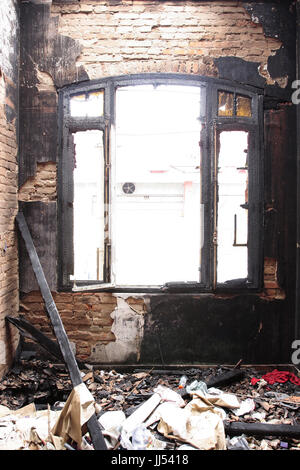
x,y
213,408
43,407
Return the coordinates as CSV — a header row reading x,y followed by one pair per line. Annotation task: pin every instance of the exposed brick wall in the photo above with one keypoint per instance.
x,y
151,36
86,317
8,238
9,296
92,322
272,289
41,187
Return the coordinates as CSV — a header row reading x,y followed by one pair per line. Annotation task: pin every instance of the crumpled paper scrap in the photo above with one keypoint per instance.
x,y
200,426
79,408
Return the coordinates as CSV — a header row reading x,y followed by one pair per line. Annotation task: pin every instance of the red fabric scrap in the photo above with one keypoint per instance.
x,y
254,381
278,376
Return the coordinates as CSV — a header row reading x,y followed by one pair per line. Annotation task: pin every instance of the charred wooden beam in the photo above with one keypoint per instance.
x,y
262,429
58,327
40,338
29,331
226,378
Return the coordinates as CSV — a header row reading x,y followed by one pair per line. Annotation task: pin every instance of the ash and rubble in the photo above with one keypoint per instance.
x,y
47,385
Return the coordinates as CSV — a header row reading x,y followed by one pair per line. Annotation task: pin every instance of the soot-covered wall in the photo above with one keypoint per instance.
x,y
65,42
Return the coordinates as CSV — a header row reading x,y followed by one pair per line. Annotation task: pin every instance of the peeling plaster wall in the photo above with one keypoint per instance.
x,y
109,328
65,42
128,328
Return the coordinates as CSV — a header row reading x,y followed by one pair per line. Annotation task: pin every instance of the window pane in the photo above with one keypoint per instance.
x,y
89,206
232,213
225,103
87,105
157,223
243,106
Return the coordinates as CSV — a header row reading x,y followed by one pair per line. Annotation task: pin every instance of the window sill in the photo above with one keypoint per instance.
x,y
198,289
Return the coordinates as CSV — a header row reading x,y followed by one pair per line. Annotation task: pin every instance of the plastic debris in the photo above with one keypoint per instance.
x,y
284,445
141,438
197,386
182,382
237,443
167,394
246,406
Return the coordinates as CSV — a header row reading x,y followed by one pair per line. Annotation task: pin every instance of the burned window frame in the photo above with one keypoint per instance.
x,y
213,124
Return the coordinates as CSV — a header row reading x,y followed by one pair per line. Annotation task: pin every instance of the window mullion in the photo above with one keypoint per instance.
x,y
107,208
215,205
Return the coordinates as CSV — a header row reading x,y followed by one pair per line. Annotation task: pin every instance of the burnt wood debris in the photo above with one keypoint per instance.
x,y
45,372
274,424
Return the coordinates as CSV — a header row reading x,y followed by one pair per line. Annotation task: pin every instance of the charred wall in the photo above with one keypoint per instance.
x,y
65,42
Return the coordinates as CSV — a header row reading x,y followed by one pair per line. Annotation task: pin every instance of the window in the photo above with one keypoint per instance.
x,y
88,214
157,224
232,222
160,185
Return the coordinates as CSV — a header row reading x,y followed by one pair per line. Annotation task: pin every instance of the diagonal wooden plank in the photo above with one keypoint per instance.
x,y
58,327
29,331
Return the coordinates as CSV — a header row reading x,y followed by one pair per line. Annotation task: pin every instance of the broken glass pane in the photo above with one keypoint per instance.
x,y
225,103
243,106
87,105
157,225
232,209
89,206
